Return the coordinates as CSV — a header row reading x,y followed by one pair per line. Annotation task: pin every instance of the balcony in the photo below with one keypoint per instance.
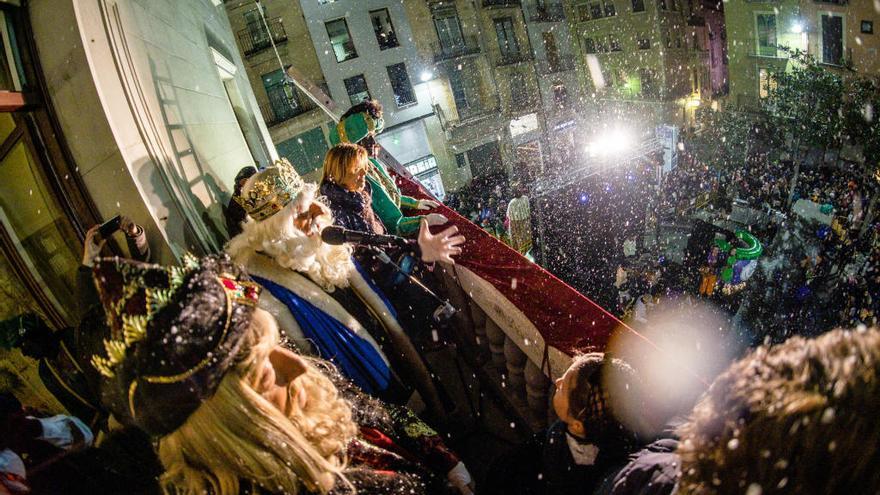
x,y
550,12
254,38
489,4
285,103
564,64
465,47
513,58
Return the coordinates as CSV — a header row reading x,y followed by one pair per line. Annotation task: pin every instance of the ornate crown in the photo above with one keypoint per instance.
x,y
271,190
140,291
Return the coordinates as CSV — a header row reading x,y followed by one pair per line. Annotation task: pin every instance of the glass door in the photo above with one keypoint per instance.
x,y
38,239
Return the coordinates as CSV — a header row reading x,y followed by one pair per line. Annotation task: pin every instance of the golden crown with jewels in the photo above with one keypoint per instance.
x,y
271,190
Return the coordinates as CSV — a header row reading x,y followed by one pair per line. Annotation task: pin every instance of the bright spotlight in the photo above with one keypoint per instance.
x,y
797,27
427,76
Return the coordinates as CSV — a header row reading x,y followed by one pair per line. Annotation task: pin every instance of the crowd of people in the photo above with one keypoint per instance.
x,y
290,364
812,221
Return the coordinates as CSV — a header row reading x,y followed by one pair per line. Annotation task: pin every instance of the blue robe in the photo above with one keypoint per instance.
x,y
355,357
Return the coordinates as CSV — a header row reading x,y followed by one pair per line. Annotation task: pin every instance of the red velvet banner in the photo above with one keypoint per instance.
x,y
565,318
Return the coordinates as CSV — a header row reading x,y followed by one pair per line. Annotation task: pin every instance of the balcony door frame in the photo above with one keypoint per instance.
x,y
37,126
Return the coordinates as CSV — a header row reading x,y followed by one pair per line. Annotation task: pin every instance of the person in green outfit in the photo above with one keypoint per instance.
x,y
359,125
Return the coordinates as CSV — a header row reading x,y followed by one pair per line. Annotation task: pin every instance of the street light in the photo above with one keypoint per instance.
x,y
797,27
426,76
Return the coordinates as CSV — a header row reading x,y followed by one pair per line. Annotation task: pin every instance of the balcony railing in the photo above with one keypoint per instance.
x,y
467,46
501,3
550,12
255,38
561,65
285,103
513,58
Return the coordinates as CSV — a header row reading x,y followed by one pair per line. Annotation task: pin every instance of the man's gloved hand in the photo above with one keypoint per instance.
x,y
440,247
436,219
427,204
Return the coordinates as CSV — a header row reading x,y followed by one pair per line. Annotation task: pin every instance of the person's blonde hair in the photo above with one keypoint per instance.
x,y
238,436
339,158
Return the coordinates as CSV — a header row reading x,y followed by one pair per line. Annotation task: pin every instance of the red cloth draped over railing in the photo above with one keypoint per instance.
x,y
565,318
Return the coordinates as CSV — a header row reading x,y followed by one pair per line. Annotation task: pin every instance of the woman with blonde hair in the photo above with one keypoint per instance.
x,y
191,360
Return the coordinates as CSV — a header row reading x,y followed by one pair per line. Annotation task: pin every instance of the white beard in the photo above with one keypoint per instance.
x,y
327,265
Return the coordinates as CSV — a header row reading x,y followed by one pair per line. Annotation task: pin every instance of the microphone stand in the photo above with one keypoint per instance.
x,y
443,312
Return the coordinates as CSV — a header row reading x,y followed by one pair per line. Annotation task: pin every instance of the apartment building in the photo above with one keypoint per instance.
x,y
486,90
350,50
560,89
642,62
838,33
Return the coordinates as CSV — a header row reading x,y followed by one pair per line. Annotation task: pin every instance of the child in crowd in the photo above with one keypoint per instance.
x,y
578,450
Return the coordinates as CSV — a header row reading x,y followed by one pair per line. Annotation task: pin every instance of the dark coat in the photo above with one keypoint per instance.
x,y
653,470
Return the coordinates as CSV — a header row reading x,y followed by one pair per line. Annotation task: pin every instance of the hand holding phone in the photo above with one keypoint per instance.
x,y
109,227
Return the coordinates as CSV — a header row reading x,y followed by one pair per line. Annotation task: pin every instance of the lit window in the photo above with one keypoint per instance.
x,y
383,28
357,90
340,39
403,90
766,82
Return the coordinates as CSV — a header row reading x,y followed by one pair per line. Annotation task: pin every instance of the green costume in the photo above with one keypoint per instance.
x,y
387,200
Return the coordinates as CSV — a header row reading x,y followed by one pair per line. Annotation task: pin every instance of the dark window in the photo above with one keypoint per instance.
x,y
766,27
583,13
256,27
609,8
638,5
448,27
868,27
458,92
614,43
403,90
305,151
460,160
648,82
595,10
485,159
589,45
832,39
662,4
644,41
383,28
357,90
506,38
519,94
560,95
283,98
340,39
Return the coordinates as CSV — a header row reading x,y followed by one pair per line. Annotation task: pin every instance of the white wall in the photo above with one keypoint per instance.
x,y
146,114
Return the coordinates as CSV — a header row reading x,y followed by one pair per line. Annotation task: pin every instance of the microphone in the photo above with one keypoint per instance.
x,y
336,235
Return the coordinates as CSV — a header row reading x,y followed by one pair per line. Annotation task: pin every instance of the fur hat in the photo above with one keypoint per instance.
x,y
174,333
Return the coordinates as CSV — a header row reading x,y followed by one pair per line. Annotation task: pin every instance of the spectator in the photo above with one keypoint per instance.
x,y
359,125
323,301
235,213
786,418
572,456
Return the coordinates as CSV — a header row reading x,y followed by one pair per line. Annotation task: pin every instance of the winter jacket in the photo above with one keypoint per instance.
x,y
654,470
